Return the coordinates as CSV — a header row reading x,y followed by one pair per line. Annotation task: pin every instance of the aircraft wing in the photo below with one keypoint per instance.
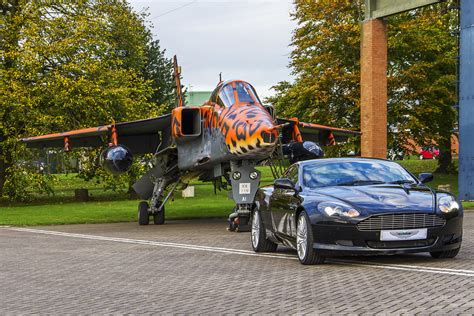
x,y
139,136
322,134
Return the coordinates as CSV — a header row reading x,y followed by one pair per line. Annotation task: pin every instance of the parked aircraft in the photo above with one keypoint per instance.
x,y
221,141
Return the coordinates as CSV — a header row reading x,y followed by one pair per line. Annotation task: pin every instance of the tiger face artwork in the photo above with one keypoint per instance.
x,y
234,117
247,127
248,130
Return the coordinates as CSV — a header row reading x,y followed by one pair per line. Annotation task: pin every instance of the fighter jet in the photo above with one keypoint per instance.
x,y
221,141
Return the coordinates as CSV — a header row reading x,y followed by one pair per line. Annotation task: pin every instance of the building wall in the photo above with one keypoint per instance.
x,y
197,97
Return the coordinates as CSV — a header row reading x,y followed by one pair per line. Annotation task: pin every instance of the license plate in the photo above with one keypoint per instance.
x,y
244,188
403,234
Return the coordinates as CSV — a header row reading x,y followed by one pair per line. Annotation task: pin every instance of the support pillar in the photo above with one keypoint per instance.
x,y
373,108
466,102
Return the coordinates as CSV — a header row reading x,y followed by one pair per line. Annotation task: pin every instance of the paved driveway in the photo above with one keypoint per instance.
x,y
199,267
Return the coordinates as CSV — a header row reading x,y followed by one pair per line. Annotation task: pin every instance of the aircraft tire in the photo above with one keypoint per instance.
x,y
232,226
143,215
159,217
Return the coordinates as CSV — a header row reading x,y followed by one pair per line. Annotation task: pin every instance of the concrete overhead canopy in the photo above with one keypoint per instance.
x,y
382,8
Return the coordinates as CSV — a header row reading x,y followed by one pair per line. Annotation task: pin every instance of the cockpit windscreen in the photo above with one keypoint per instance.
x,y
245,94
226,95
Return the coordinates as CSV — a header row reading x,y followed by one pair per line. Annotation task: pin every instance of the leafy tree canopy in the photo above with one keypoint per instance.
x,y
67,65
421,71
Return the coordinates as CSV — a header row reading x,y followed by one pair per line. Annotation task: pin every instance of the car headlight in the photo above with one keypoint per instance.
x,y
447,204
338,209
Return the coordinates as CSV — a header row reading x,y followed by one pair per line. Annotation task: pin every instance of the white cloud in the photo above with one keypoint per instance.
x,y
248,40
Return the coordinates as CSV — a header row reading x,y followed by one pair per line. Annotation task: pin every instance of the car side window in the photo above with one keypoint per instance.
x,y
292,174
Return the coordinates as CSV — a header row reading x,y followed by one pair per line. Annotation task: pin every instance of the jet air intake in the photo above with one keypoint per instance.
x,y
186,122
116,159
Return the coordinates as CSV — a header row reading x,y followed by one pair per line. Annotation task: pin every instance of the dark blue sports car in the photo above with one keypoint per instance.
x,y
351,206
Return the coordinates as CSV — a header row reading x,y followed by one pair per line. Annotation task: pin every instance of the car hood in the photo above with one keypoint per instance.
x,y
376,198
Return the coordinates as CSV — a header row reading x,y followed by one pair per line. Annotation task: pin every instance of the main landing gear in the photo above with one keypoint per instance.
x,y
157,207
144,213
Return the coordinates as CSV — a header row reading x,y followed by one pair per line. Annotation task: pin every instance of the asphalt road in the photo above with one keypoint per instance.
x,y
198,267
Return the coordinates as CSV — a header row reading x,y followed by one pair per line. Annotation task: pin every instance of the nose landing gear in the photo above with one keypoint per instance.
x,y
239,220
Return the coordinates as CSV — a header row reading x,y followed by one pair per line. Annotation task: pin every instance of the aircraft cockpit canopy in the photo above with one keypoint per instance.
x,y
235,92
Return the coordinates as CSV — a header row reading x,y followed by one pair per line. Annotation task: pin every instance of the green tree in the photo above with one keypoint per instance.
x,y
421,71
325,62
68,65
422,78
158,70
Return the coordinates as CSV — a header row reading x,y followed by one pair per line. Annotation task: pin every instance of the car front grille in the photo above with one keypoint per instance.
x,y
401,221
401,244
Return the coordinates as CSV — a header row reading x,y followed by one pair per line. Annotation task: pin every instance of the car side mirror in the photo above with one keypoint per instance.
x,y
425,177
284,183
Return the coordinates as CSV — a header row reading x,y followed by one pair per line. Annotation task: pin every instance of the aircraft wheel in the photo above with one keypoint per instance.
x,y
159,217
232,224
143,215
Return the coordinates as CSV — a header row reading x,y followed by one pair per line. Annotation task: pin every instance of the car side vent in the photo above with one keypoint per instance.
x,y
401,221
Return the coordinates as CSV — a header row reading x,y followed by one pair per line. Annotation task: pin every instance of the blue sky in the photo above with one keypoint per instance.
x,y
246,40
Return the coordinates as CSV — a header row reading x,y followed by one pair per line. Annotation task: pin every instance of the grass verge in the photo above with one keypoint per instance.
x,y
107,207
204,205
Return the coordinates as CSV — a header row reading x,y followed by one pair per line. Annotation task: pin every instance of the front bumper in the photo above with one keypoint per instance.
x,y
333,239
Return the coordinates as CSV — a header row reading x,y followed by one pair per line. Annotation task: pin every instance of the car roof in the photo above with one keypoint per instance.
x,y
345,159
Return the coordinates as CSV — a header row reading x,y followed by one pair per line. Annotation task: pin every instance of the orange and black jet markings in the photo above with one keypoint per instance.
x,y
328,128
90,130
244,126
176,125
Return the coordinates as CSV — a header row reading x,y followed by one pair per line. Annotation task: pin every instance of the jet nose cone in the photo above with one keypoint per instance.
x,y
269,135
261,139
251,131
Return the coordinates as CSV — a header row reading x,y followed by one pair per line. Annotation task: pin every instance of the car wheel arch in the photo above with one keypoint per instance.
x,y
256,206
298,212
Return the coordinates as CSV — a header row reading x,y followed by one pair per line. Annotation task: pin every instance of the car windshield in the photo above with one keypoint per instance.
x,y
361,172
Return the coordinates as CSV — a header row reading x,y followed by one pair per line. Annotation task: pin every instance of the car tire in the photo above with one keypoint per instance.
x,y
143,215
159,217
304,241
258,237
445,254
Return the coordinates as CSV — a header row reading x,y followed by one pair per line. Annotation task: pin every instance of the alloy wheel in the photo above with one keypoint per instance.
x,y
301,237
255,229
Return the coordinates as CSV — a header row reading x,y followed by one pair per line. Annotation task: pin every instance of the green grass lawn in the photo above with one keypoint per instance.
x,y
417,166
106,210
106,206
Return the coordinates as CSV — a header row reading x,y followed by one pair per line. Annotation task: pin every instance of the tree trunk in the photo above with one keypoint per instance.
x,y
445,157
3,176
5,163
